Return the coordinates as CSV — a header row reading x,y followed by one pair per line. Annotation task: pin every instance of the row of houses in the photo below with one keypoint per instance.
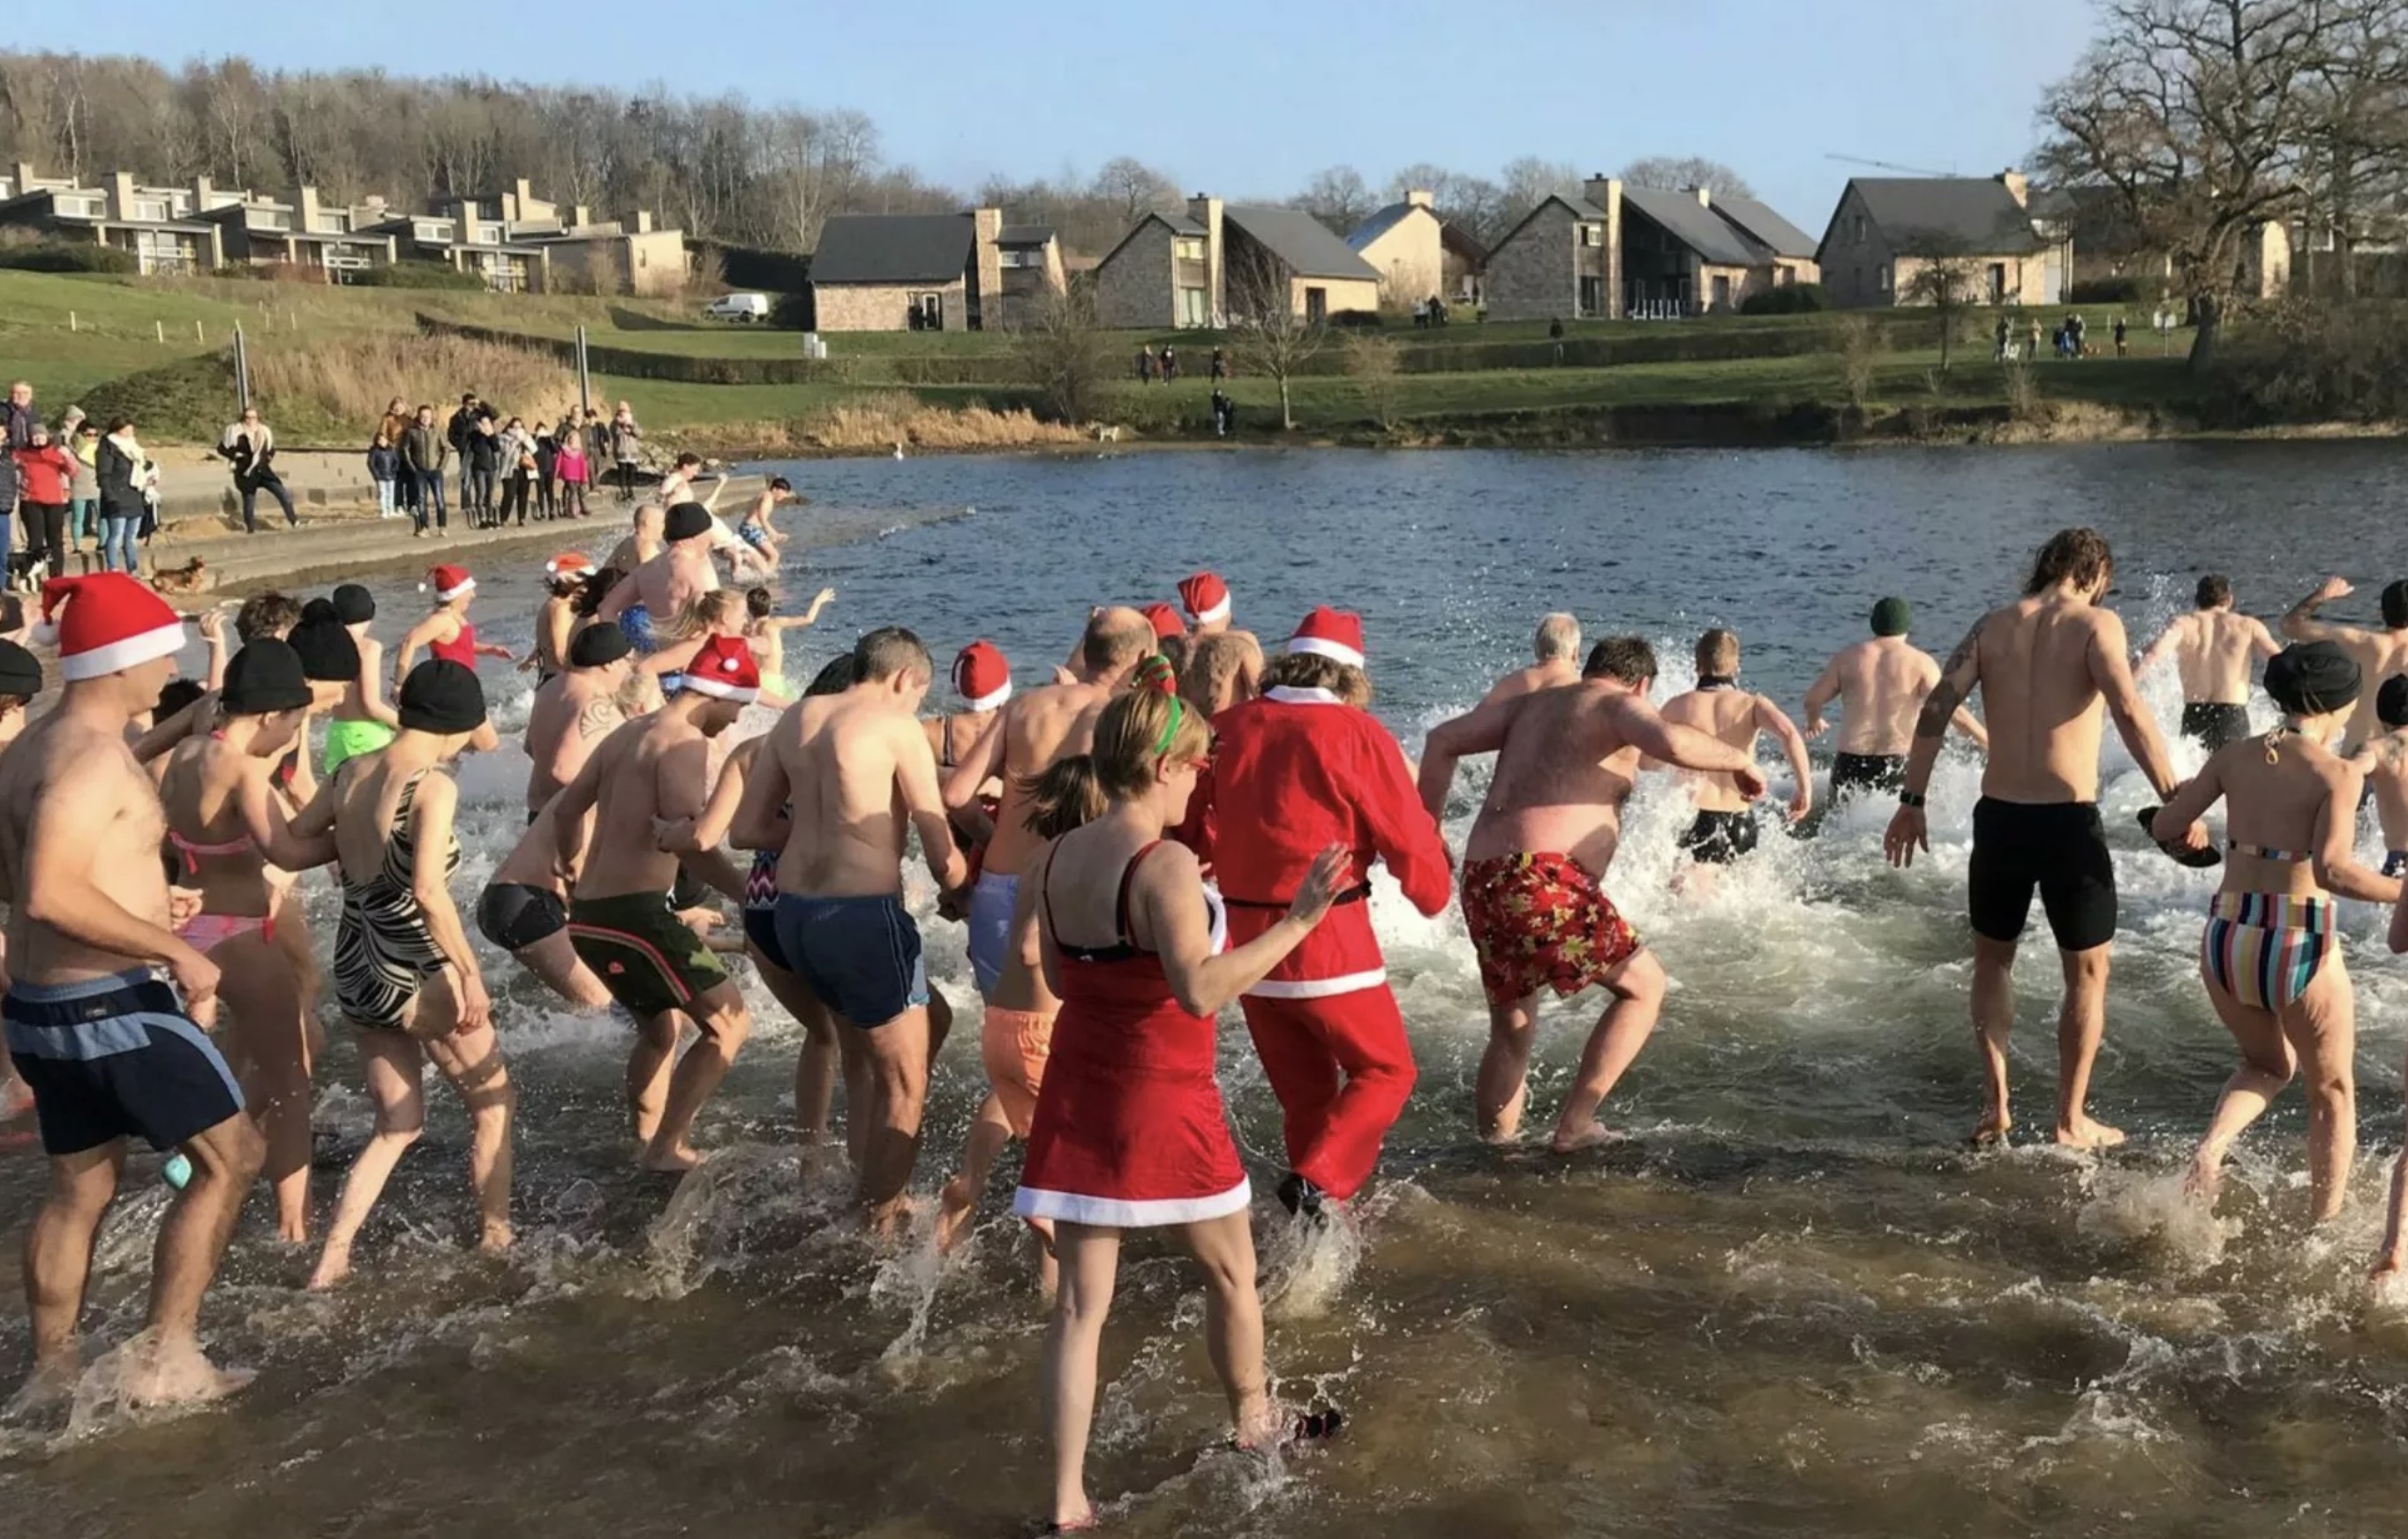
x,y
513,240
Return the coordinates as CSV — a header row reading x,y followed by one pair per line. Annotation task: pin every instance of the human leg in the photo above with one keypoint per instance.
x,y
989,1134
2081,1025
650,1063
472,1062
58,1258
1297,1063
249,489
2266,1065
1994,1024
1363,1033
1233,1321
224,1160
895,1056
54,537
1090,1258
392,1063
269,1031
1637,988
719,1014
1503,1087
2322,1025
554,962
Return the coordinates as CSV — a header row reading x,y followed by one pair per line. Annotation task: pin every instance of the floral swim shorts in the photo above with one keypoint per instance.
x,y
1539,921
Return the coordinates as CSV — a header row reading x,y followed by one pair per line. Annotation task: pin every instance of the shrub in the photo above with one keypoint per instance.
x,y
419,275
2116,291
1790,299
791,312
2319,363
61,256
1361,319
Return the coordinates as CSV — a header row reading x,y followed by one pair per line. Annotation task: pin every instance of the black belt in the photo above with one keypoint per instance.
x,y
1353,894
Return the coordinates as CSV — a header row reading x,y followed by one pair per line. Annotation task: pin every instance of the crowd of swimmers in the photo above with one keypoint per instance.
x,y
1176,821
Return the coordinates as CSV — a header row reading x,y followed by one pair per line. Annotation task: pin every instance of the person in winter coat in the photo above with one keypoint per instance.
x,y
82,440
626,449
44,472
518,471
384,469
123,471
484,456
423,449
250,446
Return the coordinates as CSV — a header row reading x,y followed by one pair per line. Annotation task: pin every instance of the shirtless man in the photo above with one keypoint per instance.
x,y
21,680
1223,665
2378,654
1534,868
1882,684
856,769
1556,649
1725,828
2046,666
108,1045
2383,761
1033,731
665,585
647,784
575,711
642,543
2213,647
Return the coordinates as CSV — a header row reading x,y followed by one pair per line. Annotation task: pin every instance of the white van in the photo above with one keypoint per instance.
x,y
749,309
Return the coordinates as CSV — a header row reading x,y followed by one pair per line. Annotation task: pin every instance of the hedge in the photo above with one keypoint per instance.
x,y
419,275
1790,299
61,256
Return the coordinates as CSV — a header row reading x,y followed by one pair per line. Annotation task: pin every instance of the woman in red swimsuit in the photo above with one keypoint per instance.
x,y
1129,1132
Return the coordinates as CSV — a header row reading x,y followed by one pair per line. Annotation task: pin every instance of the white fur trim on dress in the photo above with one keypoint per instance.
x,y
126,652
1114,1213
1352,983
1290,694
1335,650
993,701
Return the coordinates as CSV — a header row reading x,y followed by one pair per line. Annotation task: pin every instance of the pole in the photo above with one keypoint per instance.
x,y
241,370
584,376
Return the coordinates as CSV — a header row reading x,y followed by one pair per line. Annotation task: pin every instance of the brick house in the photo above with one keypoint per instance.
x,y
1887,229
1213,263
1792,249
1562,260
157,226
930,272
1418,255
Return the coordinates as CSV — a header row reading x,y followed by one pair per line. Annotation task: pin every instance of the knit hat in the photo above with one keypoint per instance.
x,y
2312,678
1892,616
1206,596
266,675
685,522
326,647
2390,701
1165,620
569,564
981,676
21,672
726,670
354,605
598,645
450,582
1333,633
106,624
442,696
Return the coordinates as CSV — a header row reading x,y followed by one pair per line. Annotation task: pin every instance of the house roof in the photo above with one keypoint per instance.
x,y
1580,208
1680,216
1759,223
1302,244
1023,235
893,249
1973,212
1381,223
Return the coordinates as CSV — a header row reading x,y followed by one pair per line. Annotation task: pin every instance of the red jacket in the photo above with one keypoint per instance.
x,y
1293,773
43,473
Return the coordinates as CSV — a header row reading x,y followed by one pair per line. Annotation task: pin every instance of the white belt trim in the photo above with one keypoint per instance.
x,y
1353,983
1117,1213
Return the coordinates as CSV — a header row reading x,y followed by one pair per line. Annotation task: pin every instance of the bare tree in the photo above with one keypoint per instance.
x,y
2355,162
1679,173
1135,189
1338,197
1530,181
1375,362
1943,275
1275,335
2193,113
1064,353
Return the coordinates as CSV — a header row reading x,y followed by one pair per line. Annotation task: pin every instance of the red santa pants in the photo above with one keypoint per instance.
x,y
1334,1130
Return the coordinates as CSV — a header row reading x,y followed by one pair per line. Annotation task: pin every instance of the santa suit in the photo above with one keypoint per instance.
x,y
1293,773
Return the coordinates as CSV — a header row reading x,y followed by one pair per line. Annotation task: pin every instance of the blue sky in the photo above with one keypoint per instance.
x,y
1249,97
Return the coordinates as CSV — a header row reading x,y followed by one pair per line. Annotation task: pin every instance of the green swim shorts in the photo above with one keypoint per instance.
x,y
350,739
649,960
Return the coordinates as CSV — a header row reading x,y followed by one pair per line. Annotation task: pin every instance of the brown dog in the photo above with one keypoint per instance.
x,y
193,576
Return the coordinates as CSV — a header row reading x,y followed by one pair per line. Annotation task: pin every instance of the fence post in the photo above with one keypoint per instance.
x,y
71,321
160,327
241,371
584,376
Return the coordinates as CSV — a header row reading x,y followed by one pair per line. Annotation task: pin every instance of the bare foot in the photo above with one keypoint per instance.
x,y
889,1220
957,1205
2390,1266
333,1267
496,1239
1084,1520
181,1377
2205,1180
1572,1140
49,1386
675,1161
2087,1134
1992,1131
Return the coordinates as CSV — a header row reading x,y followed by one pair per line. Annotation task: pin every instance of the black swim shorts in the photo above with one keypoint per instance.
x,y
1852,773
1718,838
2059,847
514,915
2214,725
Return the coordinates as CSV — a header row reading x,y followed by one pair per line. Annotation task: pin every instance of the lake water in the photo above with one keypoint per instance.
x,y
1791,1304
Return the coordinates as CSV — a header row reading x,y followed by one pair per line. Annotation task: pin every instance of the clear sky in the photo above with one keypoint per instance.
x,y
1249,97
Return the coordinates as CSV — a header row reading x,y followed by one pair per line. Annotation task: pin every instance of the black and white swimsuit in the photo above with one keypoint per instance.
x,y
383,951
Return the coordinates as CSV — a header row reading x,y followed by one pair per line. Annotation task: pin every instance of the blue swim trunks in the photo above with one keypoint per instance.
x,y
115,1056
990,926
860,955
637,622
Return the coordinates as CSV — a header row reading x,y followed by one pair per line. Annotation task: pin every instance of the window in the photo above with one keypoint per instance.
x,y
1193,310
427,229
1592,234
1188,247
1881,276
151,208
1316,306
1592,297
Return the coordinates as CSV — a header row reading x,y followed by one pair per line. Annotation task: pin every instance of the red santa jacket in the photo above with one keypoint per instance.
x,y
1292,773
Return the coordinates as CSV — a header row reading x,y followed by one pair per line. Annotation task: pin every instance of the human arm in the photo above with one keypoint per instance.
x,y
1668,743
673,658
212,628
983,762
761,813
1970,725
431,819
2162,648
2300,622
61,894
915,776
709,828
571,804
420,636
2337,867
1819,696
2261,640
163,736
1908,831
1169,890
2112,675
1478,731
809,617
558,622
1405,833
263,820
495,649
1771,719
615,602
372,698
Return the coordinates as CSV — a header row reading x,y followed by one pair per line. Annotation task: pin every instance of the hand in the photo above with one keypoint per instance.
x,y
1319,889
476,1005
1749,783
826,597
672,835
2193,837
1907,834
1064,675
1800,805
196,979
2334,588
212,626
1816,726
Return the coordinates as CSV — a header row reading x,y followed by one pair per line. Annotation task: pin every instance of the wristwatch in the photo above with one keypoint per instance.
x,y
1910,798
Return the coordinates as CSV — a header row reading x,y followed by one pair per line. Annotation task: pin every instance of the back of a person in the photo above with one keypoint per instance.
x,y
1118,1012
1273,754
848,827
1221,670
2275,806
620,858
1880,717
1560,781
2041,707
364,806
1727,715
1041,727
2213,658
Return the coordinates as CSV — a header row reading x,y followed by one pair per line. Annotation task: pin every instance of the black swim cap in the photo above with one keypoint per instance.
x,y
2391,701
685,521
21,672
2395,604
1893,617
2312,678
329,652
442,696
598,645
264,678
354,605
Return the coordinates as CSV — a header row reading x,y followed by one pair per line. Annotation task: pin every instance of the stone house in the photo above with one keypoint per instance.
x,y
1419,255
1691,253
931,272
1563,260
1030,259
1887,229
631,255
1214,264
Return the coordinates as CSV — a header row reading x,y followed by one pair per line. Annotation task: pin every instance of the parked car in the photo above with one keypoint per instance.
x,y
747,309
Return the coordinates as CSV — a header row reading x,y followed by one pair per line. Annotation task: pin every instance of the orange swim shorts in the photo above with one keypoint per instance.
x,y
1541,921
1014,1043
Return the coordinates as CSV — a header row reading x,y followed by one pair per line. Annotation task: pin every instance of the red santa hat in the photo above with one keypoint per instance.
x,y
981,675
450,582
724,669
568,563
1207,598
1165,620
105,624
1333,633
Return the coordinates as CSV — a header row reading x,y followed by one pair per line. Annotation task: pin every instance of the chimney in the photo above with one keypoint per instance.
x,y
581,216
526,193
2018,186
511,206
22,180
120,194
1603,190
643,222
1206,211
1705,196
306,214
205,191
1420,197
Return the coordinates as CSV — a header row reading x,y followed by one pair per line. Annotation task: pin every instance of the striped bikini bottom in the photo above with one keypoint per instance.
x,y
2264,949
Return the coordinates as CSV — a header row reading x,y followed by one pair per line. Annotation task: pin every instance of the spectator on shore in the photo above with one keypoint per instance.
x,y
1144,364
80,436
1170,365
395,421
2035,339
484,466
44,472
123,470
518,472
384,469
1220,365
626,449
251,446
457,433
547,469
423,452
16,432
575,468
2122,336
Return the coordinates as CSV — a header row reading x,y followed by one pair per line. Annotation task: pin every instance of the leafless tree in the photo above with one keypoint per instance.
x,y
1530,181
1338,197
1135,189
1064,353
1375,363
1275,335
1679,173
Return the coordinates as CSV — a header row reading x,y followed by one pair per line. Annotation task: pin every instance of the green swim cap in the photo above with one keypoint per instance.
x,y
1891,617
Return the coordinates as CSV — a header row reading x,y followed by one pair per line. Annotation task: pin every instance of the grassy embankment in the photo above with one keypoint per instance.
x,y
325,362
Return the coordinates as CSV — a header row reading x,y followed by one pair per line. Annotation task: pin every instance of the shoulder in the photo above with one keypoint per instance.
x,y
1168,865
2106,624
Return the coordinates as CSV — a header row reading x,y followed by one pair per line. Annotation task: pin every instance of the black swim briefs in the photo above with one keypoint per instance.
x,y
1718,838
1852,773
2059,847
514,915
2213,725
